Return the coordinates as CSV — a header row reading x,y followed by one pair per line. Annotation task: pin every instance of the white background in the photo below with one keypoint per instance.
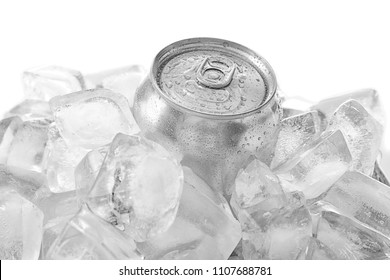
x,y
281,270
317,48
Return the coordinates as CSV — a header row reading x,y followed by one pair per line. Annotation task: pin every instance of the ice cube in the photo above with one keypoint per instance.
x,y
358,196
21,227
92,118
316,250
51,230
88,237
276,228
61,160
58,209
254,184
379,175
201,230
8,129
58,205
237,253
29,184
123,80
46,82
362,133
315,170
87,170
32,186
369,98
138,187
350,240
28,146
196,182
294,135
32,109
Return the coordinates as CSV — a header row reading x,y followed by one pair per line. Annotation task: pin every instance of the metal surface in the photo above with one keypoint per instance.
x,y
230,113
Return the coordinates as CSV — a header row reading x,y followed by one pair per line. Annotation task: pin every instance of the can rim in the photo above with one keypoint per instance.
x,y
262,66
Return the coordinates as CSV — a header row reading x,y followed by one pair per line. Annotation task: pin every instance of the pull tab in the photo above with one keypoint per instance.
x,y
216,72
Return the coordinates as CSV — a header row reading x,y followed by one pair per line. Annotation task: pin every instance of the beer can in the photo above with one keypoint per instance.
x,y
213,103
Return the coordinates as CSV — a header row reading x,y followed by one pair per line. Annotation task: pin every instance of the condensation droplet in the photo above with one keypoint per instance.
x,y
184,68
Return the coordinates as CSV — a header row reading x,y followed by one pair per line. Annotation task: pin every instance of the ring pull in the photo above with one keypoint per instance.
x,y
216,72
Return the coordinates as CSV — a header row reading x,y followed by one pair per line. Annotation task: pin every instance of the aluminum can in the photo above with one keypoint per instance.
x,y
213,103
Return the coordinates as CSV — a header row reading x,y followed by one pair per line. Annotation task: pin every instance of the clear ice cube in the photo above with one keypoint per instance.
x,y
92,118
20,227
202,230
379,175
276,228
46,82
8,129
88,237
61,160
368,97
32,109
316,250
33,186
51,230
294,135
199,184
362,133
254,184
58,209
349,240
138,187
237,252
124,80
28,146
87,170
29,184
315,170
58,205
358,196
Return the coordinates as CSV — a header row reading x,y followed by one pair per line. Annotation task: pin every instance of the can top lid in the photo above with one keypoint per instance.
x,y
213,77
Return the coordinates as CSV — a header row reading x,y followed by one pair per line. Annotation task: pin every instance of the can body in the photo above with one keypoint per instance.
x,y
214,142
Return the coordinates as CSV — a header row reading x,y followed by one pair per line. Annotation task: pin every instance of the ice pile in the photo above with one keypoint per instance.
x,y
323,195
78,181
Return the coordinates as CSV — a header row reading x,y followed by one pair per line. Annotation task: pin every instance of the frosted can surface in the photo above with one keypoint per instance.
x,y
211,102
